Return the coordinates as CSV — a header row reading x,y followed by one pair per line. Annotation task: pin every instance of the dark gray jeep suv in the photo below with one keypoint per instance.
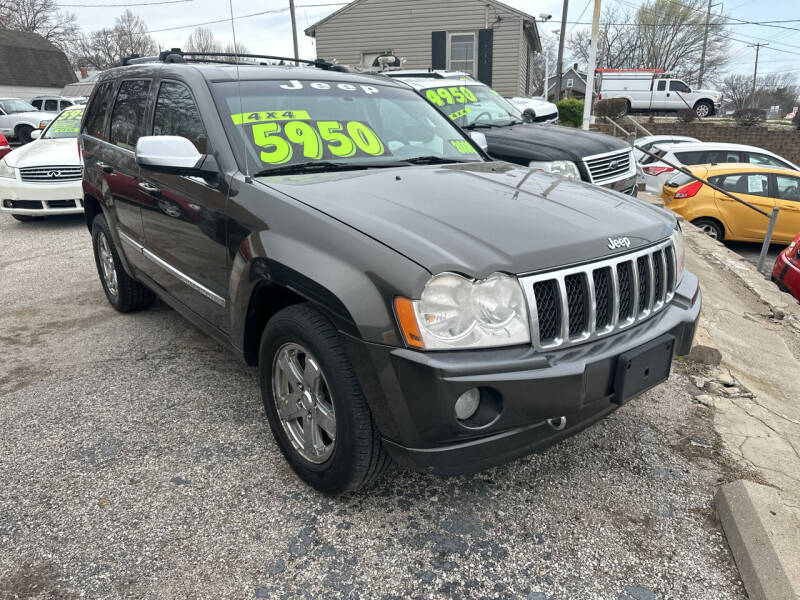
x,y
402,295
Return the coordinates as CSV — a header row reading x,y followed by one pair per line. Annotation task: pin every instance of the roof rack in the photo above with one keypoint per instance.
x,y
176,55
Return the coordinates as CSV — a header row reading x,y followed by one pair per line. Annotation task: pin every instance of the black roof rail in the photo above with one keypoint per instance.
x,y
176,55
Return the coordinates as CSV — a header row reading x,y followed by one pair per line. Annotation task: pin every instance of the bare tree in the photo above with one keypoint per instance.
x,y
772,89
105,47
42,17
202,40
550,53
660,34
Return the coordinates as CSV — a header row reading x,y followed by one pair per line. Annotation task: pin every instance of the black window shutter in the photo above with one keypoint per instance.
x,y
485,47
438,50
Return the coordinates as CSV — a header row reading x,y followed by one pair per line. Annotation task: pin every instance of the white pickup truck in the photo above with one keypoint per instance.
x,y
653,90
18,119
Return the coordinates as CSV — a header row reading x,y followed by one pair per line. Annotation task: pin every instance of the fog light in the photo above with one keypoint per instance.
x,y
467,404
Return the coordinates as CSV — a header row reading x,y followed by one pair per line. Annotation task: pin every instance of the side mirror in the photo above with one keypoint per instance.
x,y
36,134
479,139
529,115
173,154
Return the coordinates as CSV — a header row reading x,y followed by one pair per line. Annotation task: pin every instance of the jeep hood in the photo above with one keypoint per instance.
x,y
548,142
477,218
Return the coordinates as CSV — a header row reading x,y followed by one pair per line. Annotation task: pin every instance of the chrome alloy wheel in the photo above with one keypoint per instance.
x,y
107,264
702,111
303,401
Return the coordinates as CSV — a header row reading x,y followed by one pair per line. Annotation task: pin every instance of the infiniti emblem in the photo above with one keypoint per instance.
x,y
54,174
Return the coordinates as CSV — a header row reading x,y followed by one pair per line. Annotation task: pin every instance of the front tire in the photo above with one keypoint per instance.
x,y
711,228
314,403
123,292
23,133
703,109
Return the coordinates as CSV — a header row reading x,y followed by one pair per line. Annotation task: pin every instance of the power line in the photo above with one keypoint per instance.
x,y
123,5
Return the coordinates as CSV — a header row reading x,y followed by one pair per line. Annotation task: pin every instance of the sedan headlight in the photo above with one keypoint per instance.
x,y
564,168
454,312
680,253
7,171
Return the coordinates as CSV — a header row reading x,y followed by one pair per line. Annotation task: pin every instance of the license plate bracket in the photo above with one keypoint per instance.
x,y
643,368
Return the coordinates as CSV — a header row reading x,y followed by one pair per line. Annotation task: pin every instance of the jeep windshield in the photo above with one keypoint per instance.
x,y
290,126
472,106
65,125
16,106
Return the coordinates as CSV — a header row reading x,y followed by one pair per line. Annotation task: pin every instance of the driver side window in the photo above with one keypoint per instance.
x,y
788,187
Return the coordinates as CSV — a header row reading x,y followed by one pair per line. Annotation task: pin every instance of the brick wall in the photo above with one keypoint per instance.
x,y
782,140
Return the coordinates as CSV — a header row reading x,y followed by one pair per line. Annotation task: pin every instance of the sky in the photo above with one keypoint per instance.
x,y
171,24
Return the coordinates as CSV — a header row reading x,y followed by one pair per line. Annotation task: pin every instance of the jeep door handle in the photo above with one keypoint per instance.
x,y
149,188
106,168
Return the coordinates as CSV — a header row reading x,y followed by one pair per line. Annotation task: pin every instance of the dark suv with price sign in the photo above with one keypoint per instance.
x,y
402,295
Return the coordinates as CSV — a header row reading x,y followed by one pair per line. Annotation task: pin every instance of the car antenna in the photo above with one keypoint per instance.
x,y
247,177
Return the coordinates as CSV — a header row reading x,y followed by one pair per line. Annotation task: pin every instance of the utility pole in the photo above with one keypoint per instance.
x,y
705,43
294,31
587,101
544,18
755,70
561,49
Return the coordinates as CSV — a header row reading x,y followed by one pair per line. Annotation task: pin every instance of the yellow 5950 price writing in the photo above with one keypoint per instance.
x,y
293,141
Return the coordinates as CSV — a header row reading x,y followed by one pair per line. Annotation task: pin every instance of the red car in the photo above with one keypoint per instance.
x,y
5,148
786,272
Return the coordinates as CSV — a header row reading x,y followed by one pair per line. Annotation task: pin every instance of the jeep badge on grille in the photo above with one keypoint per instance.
x,y
614,243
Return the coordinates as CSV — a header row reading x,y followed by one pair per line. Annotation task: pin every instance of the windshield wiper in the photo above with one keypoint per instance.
x,y
481,124
428,160
317,166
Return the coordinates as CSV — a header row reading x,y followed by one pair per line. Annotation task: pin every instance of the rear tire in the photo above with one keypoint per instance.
x,y
303,363
124,293
23,133
711,228
27,218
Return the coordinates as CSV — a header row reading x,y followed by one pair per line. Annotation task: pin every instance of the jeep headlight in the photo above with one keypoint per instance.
x,y
565,168
454,312
7,171
680,254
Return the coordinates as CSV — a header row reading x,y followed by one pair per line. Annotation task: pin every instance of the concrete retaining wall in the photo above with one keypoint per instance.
x,y
782,140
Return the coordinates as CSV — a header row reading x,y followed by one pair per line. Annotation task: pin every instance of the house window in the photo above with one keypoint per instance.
x,y
462,49
569,83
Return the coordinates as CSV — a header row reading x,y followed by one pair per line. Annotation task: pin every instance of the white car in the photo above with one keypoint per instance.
x,y
543,111
656,173
44,177
647,142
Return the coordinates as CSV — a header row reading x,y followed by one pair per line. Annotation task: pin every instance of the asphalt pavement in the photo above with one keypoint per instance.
x,y
137,463
751,251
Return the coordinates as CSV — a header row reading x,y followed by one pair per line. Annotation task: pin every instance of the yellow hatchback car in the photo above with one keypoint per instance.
x,y
721,217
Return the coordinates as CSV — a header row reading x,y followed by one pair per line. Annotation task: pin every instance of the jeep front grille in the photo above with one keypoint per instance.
x,y
611,166
47,174
579,304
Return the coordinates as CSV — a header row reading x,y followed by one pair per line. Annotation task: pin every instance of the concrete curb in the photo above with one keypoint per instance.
x,y
764,538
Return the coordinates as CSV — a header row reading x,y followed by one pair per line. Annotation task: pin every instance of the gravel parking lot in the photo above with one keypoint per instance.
x,y
137,463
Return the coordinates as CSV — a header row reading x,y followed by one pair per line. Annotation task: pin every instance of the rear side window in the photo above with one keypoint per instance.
x,y
662,85
94,124
51,105
128,114
765,159
177,114
690,158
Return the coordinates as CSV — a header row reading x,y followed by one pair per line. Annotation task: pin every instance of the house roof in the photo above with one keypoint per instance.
x,y
554,78
27,59
311,31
